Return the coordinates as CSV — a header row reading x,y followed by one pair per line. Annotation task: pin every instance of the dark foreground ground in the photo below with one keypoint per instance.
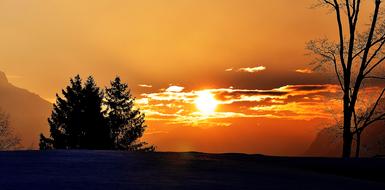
x,y
121,170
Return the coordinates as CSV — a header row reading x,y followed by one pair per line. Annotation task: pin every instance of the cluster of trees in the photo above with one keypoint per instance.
x,y
357,59
8,140
90,118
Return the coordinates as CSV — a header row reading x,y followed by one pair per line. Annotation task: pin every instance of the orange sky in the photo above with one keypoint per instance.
x,y
186,42
245,52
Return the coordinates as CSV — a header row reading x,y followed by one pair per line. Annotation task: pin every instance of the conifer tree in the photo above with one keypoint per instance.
x,y
127,124
65,123
97,134
77,121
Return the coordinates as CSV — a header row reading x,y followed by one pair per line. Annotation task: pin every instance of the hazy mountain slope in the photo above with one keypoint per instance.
x,y
28,112
329,141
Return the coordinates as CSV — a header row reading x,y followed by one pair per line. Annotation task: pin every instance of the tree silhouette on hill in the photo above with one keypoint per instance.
x,y
357,59
85,118
8,140
126,123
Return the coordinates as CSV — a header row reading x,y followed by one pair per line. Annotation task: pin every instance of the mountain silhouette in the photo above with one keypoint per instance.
x,y
3,78
28,112
329,141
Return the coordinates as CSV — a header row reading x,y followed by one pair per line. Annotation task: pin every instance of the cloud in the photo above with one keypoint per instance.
x,y
174,89
296,90
252,69
304,71
247,69
142,101
230,96
171,96
302,110
145,85
304,88
176,106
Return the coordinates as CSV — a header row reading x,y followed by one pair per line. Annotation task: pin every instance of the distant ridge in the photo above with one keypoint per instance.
x,y
328,142
3,78
28,112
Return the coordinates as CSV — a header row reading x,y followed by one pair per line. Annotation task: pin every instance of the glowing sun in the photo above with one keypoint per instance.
x,y
206,103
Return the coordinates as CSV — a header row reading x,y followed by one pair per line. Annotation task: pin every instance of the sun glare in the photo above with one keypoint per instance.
x,y
206,103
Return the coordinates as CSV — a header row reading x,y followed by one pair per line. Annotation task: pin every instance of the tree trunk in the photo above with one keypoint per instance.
x,y
347,144
358,144
347,134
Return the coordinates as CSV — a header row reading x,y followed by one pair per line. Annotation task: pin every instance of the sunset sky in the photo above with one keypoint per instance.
x,y
244,58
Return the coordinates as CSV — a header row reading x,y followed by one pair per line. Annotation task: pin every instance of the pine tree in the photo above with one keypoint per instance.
x,y
45,143
77,121
126,123
65,126
95,125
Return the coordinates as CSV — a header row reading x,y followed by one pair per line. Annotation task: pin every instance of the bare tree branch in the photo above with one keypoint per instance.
x,y
356,10
361,74
341,34
373,44
375,53
355,56
369,120
338,74
330,3
375,77
374,66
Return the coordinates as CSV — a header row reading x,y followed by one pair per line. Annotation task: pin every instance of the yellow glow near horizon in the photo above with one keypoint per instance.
x,y
206,103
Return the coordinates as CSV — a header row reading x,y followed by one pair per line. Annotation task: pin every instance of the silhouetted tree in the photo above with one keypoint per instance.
x,y
355,58
95,125
45,143
7,139
77,121
362,119
365,117
65,126
126,123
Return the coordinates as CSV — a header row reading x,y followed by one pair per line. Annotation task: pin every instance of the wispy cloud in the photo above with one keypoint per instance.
x,y
145,85
304,71
247,69
252,69
174,89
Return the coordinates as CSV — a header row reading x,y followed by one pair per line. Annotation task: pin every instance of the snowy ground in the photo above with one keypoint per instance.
x,y
121,170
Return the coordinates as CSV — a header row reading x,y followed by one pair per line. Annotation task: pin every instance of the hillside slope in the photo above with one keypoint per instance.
x,y
28,112
329,140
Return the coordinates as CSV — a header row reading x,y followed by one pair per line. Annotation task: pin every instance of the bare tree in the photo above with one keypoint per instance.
x,y
357,57
366,116
8,140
